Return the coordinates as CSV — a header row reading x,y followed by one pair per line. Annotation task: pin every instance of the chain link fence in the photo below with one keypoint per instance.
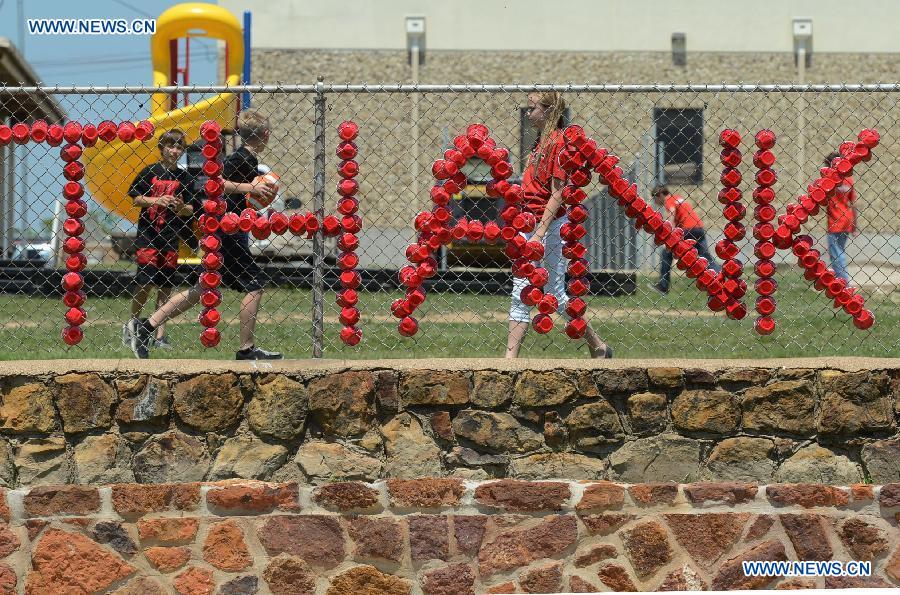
x,y
664,135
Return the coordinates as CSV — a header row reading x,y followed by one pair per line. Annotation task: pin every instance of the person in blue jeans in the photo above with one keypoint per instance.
x,y
841,222
681,214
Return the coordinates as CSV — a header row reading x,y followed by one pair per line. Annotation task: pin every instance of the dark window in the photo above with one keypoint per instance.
x,y
528,135
679,145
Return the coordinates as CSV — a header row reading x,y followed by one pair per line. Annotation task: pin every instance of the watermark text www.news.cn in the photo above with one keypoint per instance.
x,y
806,568
91,26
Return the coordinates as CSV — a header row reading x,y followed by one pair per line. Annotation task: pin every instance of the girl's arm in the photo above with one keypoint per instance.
x,y
553,204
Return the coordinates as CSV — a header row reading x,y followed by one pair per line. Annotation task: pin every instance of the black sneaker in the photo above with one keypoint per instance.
x,y
659,288
257,353
141,338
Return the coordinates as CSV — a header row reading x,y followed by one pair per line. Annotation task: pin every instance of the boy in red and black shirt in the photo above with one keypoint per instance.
x,y
164,192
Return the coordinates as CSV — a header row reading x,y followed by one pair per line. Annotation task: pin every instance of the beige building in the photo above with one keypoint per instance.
x,y
667,135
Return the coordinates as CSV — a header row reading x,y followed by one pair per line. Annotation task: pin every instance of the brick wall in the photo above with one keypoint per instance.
x,y
437,536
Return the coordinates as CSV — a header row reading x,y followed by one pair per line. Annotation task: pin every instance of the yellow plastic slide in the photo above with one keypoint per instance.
x,y
111,167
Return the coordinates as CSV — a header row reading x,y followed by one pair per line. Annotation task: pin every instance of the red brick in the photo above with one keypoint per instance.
x,y
468,530
808,534
252,499
604,524
726,492
429,538
225,549
9,542
579,585
512,494
167,559
654,493
731,574
456,579
543,579
169,531
8,579
806,495
289,575
425,493
344,496
440,425
519,547
616,578
892,566
862,492
890,495
318,539
195,581
66,562
380,538
134,500
367,580
62,500
864,541
760,527
507,587
604,495
707,536
647,547
604,551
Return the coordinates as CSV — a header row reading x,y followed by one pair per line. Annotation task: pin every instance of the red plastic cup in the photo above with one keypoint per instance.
x,y
230,223
349,316
351,223
578,286
71,132
210,337
210,243
764,214
727,195
573,250
408,327
462,144
765,305
477,134
726,249
766,286
501,170
730,177
39,131
730,157
73,190
125,132
522,268
210,279
763,159
210,298
736,310
74,299
347,298
73,227
491,232
348,130
208,224
765,139
73,171
72,281
214,187
734,211
144,131
351,335
210,317
297,224
346,150
212,261
732,268
715,303
766,177
210,130
331,226
735,231
764,325
348,168
106,130
542,323
764,268
869,137
580,177
764,250
76,209
576,307
577,268
475,231
76,262
347,261
864,320
531,295
70,153
54,135
350,279
576,328
574,135
730,138
415,297
783,237
443,169
73,245
72,335
212,169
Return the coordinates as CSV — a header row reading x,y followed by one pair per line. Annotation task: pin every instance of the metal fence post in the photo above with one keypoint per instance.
x,y
318,289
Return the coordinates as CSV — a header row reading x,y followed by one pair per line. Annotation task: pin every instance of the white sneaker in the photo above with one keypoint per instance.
x,y
127,331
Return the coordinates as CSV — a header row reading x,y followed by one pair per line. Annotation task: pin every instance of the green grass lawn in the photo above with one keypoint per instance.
x,y
645,324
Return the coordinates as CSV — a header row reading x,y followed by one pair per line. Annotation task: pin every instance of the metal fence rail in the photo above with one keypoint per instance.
x,y
664,134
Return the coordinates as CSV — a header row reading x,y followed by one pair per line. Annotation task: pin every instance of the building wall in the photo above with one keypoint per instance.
x,y
622,121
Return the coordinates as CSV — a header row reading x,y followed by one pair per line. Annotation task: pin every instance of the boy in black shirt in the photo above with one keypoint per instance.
x,y
163,191
239,270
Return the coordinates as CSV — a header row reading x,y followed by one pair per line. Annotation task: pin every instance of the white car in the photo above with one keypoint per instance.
x,y
34,252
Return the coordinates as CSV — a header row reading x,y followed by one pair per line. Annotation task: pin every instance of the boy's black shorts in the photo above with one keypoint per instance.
x,y
239,271
155,267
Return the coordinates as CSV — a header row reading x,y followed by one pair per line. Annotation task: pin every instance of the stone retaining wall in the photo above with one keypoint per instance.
x,y
437,537
320,422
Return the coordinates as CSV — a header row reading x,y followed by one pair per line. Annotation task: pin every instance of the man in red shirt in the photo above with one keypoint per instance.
x,y
681,214
841,222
